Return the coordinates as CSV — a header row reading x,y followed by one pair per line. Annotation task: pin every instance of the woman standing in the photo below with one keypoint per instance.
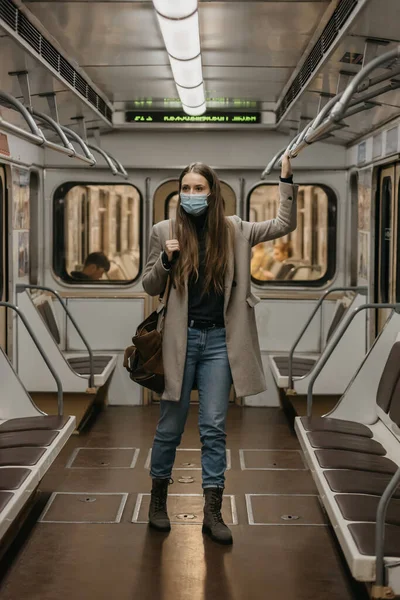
x,y
210,333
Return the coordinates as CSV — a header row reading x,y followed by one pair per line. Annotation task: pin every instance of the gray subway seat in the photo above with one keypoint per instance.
x,y
364,537
5,498
358,482
300,366
343,441
81,364
33,423
388,382
23,439
12,479
20,457
335,425
344,459
358,507
47,315
337,317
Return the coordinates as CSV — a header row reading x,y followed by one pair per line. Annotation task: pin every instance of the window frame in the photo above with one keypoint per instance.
x,y
58,231
331,269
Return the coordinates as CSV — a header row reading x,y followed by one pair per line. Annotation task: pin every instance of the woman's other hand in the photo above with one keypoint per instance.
x,y
171,246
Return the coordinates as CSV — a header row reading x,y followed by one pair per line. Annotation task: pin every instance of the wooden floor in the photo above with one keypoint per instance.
x,y
85,546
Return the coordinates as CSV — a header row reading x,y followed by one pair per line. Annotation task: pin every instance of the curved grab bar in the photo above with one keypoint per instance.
x,y
72,135
42,353
22,133
56,127
272,162
310,318
120,167
380,531
108,160
324,360
21,287
24,112
340,108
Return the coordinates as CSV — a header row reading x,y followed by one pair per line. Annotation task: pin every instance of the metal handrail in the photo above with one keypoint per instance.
x,y
108,160
72,135
341,106
120,167
322,362
380,528
310,318
60,399
24,112
56,127
22,286
272,162
338,105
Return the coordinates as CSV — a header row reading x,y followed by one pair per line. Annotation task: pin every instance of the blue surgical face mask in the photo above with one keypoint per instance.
x,y
194,204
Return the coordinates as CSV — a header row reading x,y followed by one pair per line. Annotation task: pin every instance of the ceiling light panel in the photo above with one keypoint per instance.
x,y
176,9
181,37
191,96
195,111
179,24
187,73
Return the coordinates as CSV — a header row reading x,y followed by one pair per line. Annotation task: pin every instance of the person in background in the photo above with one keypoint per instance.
x,y
261,261
96,264
282,252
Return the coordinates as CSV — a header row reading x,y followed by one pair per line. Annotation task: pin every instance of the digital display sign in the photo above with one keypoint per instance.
x,y
231,118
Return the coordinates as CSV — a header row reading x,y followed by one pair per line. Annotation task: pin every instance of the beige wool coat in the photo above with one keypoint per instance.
x,y
239,302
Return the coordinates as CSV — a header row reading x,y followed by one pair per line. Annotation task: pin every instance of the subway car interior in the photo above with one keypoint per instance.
x,y
103,103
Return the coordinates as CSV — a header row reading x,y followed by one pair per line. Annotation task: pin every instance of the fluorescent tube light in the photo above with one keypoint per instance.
x,y
177,9
181,38
187,73
179,24
191,97
194,111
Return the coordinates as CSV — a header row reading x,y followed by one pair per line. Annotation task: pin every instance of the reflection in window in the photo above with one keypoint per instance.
x,y
106,245
303,254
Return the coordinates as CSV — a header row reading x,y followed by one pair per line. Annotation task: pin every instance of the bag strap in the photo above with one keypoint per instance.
x,y
165,296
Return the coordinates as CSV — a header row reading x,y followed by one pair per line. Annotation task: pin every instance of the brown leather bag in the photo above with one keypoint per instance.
x,y
144,360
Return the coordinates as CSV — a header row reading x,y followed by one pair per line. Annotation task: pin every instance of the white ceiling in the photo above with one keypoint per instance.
x,y
250,50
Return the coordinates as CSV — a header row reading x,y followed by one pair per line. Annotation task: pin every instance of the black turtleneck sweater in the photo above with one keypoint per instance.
x,y
208,308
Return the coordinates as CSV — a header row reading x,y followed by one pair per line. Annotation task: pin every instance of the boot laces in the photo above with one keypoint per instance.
x,y
160,497
215,507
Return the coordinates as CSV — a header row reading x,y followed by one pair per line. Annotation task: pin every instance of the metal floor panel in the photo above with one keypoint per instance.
x,y
99,553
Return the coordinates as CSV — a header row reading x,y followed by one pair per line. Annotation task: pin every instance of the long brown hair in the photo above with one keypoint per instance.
x,y
218,238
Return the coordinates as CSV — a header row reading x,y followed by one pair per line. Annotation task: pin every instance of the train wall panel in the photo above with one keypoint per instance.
x,y
108,324
228,148
279,323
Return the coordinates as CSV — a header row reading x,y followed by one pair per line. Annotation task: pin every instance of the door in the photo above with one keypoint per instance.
x,y
387,223
3,260
164,207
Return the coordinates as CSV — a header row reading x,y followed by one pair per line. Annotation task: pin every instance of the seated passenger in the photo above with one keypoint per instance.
x,y
96,264
261,261
280,269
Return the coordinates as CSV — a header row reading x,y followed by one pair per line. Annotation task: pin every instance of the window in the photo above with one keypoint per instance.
x,y
307,255
105,247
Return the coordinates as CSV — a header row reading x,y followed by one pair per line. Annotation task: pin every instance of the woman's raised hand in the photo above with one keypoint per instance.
x,y
171,246
286,170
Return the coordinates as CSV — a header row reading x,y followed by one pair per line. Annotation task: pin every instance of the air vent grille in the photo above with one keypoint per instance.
x,y
9,13
20,24
328,36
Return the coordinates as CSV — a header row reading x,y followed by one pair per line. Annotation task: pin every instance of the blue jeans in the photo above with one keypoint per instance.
x,y
207,361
